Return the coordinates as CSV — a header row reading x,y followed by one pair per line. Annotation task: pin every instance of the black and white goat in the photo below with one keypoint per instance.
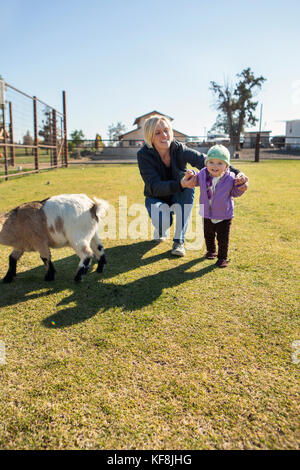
x,y
64,220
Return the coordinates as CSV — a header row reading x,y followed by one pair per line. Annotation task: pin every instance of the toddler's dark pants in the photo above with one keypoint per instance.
x,y
221,229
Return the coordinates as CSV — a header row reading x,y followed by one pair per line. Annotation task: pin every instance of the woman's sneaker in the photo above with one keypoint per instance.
x,y
178,249
159,238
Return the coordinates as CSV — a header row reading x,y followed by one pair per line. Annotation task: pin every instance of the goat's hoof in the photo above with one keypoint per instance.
x,y
8,278
49,278
101,263
81,272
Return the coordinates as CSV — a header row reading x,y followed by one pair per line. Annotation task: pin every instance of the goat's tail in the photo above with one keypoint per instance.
x,y
101,207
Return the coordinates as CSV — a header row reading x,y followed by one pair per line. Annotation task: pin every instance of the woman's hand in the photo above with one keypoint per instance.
x,y
241,181
189,180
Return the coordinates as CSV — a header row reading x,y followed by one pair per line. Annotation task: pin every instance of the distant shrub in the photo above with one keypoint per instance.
x,y
75,154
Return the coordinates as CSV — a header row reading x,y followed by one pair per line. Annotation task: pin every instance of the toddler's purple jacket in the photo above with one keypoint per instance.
x,y
222,201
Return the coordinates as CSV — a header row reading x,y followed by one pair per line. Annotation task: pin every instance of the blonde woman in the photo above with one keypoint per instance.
x,y
168,188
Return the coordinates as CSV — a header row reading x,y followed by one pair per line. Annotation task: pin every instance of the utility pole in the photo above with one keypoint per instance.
x,y
257,144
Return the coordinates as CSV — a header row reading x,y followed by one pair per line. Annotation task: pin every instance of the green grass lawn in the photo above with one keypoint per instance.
x,y
157,352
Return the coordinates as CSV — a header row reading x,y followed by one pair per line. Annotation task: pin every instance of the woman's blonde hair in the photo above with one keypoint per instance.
x,y
150,126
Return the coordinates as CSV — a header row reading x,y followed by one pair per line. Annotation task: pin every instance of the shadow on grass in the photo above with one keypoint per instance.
x,y
93,295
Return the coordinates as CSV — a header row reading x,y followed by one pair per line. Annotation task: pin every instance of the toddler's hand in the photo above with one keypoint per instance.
x,y
190,173
241,181
189,180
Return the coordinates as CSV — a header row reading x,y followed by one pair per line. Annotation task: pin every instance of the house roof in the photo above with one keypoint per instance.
x,y
185,135
256,132
149,114
129,132
136,130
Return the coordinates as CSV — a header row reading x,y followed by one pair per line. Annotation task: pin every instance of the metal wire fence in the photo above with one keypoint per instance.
x,y
33,135
124,150
120,149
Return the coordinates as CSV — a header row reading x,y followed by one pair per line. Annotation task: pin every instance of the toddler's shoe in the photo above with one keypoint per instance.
x,y
210,255
222,263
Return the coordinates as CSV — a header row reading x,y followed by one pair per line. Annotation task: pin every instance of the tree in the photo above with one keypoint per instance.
x,y
27,140
236,103
77,137
98,142
46,131
114,131
221,125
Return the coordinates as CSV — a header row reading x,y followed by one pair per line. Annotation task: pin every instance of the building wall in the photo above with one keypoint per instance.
x,y
116,152
250,139
144,118
292,134
137,134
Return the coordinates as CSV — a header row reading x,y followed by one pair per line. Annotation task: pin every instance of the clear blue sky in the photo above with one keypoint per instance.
x,y
120,59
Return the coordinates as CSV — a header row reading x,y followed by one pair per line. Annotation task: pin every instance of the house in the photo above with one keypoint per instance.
x,y
135,138
250,139
292,135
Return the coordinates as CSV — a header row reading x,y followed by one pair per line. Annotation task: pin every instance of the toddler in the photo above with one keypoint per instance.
x,y
217,191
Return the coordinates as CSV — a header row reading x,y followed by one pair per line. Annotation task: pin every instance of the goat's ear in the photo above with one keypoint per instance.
x,y
93,211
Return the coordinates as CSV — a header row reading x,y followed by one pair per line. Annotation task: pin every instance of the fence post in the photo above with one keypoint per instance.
x,y
36,149
54,137
4,139
65,129
257,147
11,133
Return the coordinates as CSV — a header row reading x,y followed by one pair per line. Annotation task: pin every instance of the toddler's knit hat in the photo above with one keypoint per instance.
x,y
220,152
